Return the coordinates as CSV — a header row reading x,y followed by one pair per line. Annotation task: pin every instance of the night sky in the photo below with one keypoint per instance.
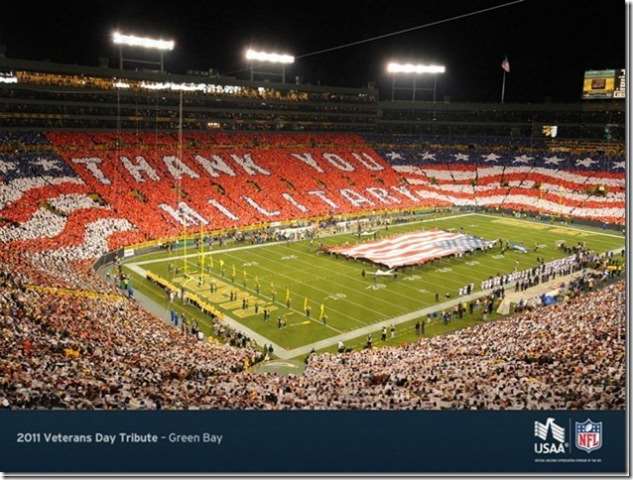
x,y
549,43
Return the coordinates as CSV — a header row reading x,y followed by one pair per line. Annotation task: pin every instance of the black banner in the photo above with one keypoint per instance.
x,y
312,442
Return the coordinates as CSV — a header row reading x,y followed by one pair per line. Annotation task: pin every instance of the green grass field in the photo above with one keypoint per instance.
x,y
353,304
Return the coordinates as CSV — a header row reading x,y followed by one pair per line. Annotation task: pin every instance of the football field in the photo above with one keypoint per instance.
x,y
286,277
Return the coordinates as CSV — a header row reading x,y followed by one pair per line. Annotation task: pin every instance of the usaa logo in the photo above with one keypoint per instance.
x,y
552,438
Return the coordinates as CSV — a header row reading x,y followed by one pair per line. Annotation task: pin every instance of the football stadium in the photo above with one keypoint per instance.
x,y
206,240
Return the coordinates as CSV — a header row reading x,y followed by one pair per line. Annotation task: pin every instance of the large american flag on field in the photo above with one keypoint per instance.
x,y
414,248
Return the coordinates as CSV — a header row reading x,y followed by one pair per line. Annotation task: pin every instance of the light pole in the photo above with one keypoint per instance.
x,y
133,41
258,57
413,70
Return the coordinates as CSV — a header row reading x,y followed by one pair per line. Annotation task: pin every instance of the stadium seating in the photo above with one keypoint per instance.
x,y
72,341
69,196
248,178
85,349
565,185
257,178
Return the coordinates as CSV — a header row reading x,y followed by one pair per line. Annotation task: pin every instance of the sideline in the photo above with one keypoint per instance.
x,y
161,312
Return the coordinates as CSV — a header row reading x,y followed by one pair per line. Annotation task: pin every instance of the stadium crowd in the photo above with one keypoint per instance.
x,y
63,348
81,349
70,340
569,356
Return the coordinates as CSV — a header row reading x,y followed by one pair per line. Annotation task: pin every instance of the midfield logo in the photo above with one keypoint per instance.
x,y
588,435
553,437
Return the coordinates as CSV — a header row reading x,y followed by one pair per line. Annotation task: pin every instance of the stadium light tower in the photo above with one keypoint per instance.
x,y
133,41
413,71
258,57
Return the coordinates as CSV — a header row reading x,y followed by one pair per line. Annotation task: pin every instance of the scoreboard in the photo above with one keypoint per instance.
x,y
604,84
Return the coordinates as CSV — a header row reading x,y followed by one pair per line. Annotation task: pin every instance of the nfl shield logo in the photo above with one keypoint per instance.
x,y
588,435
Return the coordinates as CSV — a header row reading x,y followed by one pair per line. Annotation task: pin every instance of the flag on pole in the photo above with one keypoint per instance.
x,y
505,65
287,294
305,303
322,311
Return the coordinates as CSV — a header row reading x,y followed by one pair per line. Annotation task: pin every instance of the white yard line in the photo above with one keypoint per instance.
x,y
330,282
286,354
283,305
354,278
325,292
234,324
140,271
155,307
375,327
348,266
361,331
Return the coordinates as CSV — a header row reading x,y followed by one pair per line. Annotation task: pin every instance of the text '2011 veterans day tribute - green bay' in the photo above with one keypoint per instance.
x,y
121,437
